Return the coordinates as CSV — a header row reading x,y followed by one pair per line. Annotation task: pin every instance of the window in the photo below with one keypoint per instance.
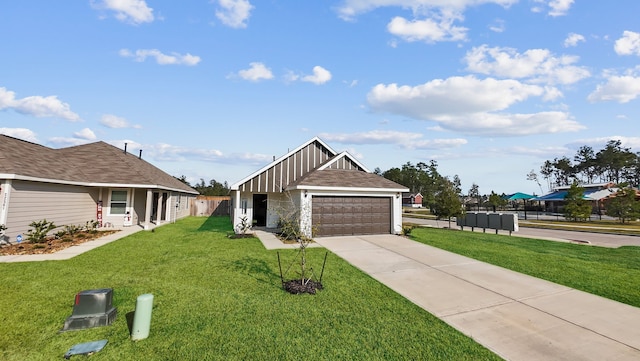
x,y
244,206
118,204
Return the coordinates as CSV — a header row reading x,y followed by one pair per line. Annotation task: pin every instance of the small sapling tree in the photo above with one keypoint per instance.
x,y
290,226
39,231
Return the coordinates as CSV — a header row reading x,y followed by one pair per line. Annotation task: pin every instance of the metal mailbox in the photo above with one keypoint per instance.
x,y
495,221
482,220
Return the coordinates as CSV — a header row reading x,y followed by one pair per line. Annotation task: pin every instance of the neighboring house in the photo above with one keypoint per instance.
x,y
333,193
412,200
596,193
91,182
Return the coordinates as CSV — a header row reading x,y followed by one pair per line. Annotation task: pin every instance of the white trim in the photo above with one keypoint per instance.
x,y
89,184
235,186
343,155
349,189
5,198
126,202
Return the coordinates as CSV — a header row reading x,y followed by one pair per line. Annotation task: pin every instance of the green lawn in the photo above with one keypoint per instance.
x,y
608,272
217,299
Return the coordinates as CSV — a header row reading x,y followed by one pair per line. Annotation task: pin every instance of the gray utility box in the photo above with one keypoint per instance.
x,y
510,222
471,219
495,222
92,308
482,220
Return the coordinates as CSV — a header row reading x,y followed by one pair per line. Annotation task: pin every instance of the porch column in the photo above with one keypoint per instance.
x,y
236,209
147,209
159,208
133,209
169,208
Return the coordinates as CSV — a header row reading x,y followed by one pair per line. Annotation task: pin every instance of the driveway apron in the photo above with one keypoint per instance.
x,y
518,317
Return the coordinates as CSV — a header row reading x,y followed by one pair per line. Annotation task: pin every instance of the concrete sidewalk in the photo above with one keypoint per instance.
x,y
73,251
516,316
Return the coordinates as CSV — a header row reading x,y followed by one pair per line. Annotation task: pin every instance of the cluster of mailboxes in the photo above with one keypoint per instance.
x,y
497,221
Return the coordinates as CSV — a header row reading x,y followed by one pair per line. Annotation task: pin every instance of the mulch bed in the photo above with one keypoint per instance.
x,y
51,245
297,287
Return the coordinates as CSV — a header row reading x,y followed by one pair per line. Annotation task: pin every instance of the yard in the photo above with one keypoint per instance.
x,y
217,298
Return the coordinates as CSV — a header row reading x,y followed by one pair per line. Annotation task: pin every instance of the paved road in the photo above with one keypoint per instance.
x,y
596,239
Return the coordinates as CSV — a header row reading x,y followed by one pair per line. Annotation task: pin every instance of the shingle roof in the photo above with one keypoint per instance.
x,y
91,164
341,178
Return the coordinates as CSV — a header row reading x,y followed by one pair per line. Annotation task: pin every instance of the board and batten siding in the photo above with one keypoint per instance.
x,y
290,169
57,203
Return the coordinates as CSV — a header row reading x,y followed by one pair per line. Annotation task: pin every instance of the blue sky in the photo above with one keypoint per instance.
x,y
490,89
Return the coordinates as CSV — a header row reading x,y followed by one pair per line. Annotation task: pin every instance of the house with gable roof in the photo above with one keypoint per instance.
x,y
333,192
90,182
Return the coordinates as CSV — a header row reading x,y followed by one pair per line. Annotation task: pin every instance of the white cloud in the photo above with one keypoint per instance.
x,y
115,122
129,11
428,30
320,76
471,106
601,142
372,137
618,88
407,140
556,7
573,39
61,142
164,152
540,151
37,106
234,13
141,55
537,65
559,7
497,26
85,134
20,133
628,44
349,9
257,72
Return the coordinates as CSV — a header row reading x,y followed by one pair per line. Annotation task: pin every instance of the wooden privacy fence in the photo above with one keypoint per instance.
x,y
210,206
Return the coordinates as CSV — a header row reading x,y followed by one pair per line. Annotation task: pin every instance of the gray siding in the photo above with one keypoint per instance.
x,y
61,204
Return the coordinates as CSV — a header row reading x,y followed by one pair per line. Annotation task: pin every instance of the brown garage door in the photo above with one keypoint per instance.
x,y
345,216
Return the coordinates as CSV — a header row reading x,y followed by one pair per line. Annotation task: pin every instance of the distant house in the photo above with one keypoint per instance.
x,y
91,182
597,193
333,192
412,200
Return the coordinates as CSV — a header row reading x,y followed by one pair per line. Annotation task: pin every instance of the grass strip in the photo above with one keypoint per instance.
x,y
217,298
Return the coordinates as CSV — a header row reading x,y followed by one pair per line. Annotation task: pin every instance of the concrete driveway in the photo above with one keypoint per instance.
x,y
516,316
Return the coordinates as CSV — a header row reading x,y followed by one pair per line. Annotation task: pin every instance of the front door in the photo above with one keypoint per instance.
x,y
260,210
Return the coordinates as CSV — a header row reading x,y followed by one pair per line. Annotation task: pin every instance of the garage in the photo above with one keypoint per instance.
x,y
346,216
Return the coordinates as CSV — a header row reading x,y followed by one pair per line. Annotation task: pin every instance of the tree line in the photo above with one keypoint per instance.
x,y
441,194
613,163
213,188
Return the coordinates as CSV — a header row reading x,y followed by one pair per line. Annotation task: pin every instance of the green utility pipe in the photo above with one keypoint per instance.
x,y
142,317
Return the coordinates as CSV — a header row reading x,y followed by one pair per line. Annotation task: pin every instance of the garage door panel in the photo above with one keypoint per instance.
x,y
338,216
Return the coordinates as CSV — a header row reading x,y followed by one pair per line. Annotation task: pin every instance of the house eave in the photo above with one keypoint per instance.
x,y
345,154
347,189
91,184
